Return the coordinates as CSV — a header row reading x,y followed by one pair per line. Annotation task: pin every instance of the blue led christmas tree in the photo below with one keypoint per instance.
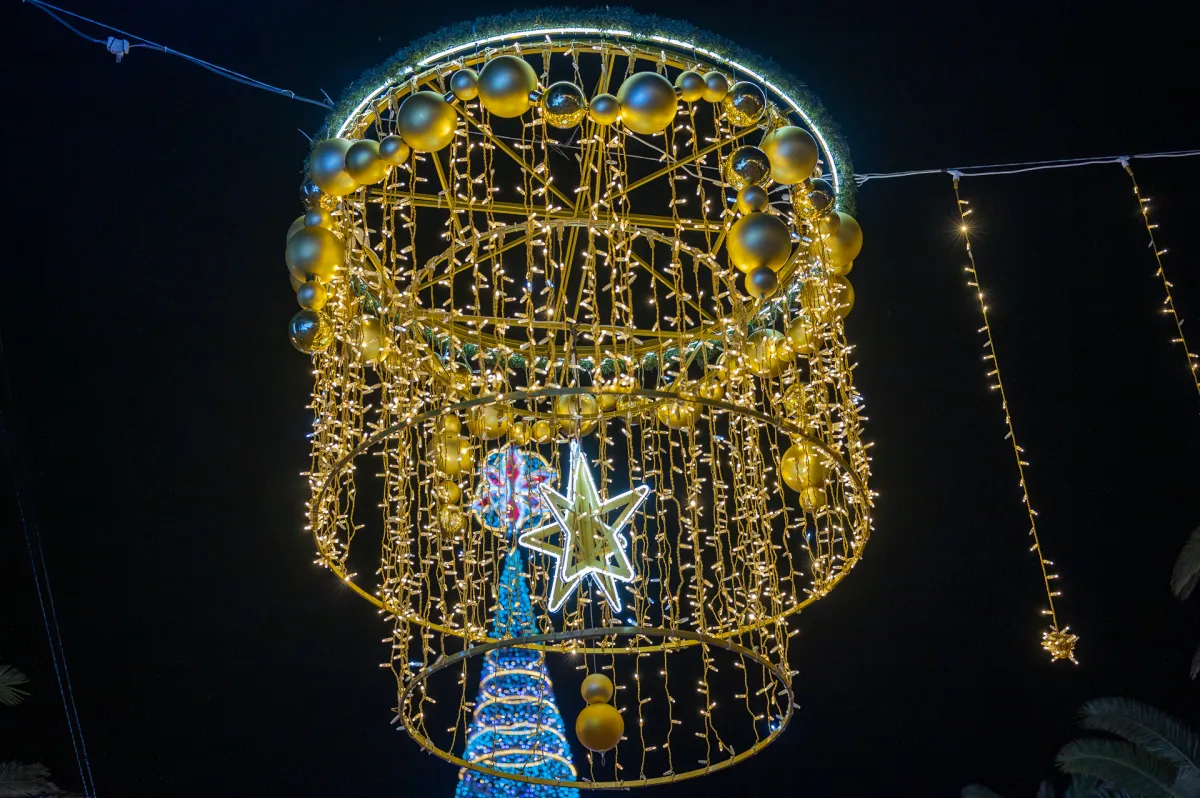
x,y
517,727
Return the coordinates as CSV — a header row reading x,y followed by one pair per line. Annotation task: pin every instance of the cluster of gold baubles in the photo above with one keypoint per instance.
x,y
599,726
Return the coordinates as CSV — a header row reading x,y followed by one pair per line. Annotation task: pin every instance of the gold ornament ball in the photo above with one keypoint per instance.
x,y
716,86
745,104
599,727
759,239
676,415
314,250
648,102
842,271
841,296
448,453
449,492
752,199
762,282
465,84
569,409
327,165
818,200
564,105
364,164
505,83
764,351
691,86
451,520
312,295
393,150
596,688
792,152
462,378
802,336
846,243
366,336
812,499
295,227
747,166
490,421
605,109
311,331
448,425
426,121
712,388
518,433
295,281
543,431
319,217
803,467
829,225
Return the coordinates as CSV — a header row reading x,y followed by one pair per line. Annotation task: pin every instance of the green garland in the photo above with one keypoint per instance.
x,y
605,18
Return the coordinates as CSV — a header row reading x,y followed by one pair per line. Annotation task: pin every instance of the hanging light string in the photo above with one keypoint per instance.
x,y
1058,641
1020,167
1193,360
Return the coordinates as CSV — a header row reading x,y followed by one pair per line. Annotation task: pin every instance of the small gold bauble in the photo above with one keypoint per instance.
x,y
518,433
648,102
311,195
504,85
312,295
747,166
802,336
763,352
451,520
712,388
426,121
564,105
803,466
759,239
462,378
582,408
596,688
716,86
295,281
365,336
792,152
795,400
604,109
844,245
607,400
599,727
841,296
489,421
449,492
465,84
327,165
314,250
752,199
762,282
393,150
676,415
817,200
829,225
364,164
691,86
744,104
543,431
842,271
448,425
319,217
466,459
812,499
295,227
311,331
448,453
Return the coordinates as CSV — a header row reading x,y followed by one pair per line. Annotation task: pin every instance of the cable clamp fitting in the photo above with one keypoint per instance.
x,y
118,47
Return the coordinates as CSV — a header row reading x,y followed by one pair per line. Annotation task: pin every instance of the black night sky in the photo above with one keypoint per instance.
x,y
159,410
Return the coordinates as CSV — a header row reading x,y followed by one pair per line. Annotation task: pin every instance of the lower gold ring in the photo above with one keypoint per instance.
x,y
553,642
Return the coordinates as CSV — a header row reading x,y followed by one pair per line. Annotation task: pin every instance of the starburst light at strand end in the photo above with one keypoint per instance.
x,y
1060,643
588,544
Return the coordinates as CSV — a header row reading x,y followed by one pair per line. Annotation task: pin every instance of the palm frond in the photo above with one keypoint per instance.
x,y
1148,728
978,791
1196,664
1045,790
1187,567
11,693
26,781
1121,764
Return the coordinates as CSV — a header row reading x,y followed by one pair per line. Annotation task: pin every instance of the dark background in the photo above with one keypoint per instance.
x,y
160,408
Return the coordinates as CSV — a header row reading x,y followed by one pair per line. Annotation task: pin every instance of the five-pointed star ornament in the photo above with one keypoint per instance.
x,y
589,544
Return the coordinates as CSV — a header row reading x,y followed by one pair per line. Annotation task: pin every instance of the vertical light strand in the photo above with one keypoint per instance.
x,y
1193,359
1058,641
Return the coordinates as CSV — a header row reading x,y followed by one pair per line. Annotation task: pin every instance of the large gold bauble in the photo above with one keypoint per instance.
x,y
564,105
762,282
844,245
604,109
518,433
596,688
747,166
543,431
451,519
295,227
759,239
364,164
599,727
817,200
465,84
841,296
716,86
792,152
802,336
676,415
648,102
366,336
829,225
803,467
489,421
426,121
691,86
745,104
393,150
319,217
312,295
505,83
327,165
449,492
448,451
314,250
311,331
569,409
752,199
448,425
765,352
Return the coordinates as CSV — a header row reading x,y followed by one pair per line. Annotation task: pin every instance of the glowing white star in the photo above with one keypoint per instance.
x,y
589,545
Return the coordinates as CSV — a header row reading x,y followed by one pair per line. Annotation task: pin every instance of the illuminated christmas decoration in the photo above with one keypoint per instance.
x,y
516,726
509,495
